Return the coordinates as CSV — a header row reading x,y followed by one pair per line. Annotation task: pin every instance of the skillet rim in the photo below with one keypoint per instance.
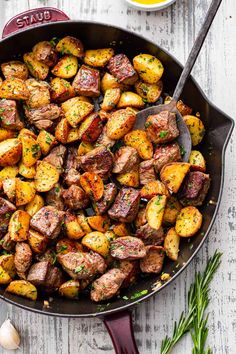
x,y
129,305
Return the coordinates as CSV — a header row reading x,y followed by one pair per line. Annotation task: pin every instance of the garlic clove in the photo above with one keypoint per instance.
x,y
9,337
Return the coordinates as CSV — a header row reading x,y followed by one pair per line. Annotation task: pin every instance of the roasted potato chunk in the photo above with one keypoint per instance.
x,y
149,68
152,189
73,135
120,123
196,129
73,229
8,172
10,152
62,131
27,172
111,98
4,277
92,185
15,68
90,128
130,99
98,57
97,242
37,241
14,89
120,229
7,134
171,244
172,209
99,222
149,92
111,82
173,174
46,141
31,151
76,110
70,289
84,147
35,205
19,226
25,192
22,288
61,90
46,176
9,188
197,161
7,263
66,68
155,211
138,139
188,221
36,68
83,222
70,45
129,179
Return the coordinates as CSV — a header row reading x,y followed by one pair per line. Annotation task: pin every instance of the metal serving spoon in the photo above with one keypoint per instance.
x,y
184,138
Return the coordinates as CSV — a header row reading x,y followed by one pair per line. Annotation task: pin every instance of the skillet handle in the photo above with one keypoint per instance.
x,y
31,18
120,328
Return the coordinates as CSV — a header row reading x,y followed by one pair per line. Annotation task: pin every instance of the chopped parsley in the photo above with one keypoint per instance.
x,y
79,268
62,248
35,150
163,133
147,124
139,294
182,150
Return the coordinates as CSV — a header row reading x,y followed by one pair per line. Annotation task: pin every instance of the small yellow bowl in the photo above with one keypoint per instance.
x,y
150,5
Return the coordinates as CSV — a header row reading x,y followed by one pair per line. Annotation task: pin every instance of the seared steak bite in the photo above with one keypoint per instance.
x,y
146,172
87,82
120,67
6,210
108,197
7,243
125,159
104,140
9,116
107,285
162,127
23,257
54,197
38,273
54,279
43,117
130,269
75,198
128,247
81,265
71,175
56,157
153,261
149,235
195,188
125,207
99,161
165,154
48,221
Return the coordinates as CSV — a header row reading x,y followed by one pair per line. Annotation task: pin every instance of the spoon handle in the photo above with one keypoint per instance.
x,y
196,49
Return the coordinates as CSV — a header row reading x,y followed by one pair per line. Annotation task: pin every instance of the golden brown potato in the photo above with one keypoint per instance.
x,y
111,98
31,151
149,92
10,152
70,45
62,131
35,205
39,93
7,134
72,227
90,128
92,185
73,135
138,139
70,289
129,179
4,277
8,172
120,229
97,242
7,263
171,244
14,89
173,174
130,99
66,67
120,123
9,188
36,68
152,189
197,161
15,68
149,68
46,141
83,222
76,110
37,241
61,90
181,106
188,221
98,57
19,226
99,222
45,53
196,128
65,246
46,176
172,209
25,192
84,147
155,211
22,288
27,132
110,82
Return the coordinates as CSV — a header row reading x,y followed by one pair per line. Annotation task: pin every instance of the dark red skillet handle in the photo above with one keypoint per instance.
x,y
120,328
32,18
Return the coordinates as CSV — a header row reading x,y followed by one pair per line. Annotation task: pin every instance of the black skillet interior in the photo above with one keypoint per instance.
x,y
218,127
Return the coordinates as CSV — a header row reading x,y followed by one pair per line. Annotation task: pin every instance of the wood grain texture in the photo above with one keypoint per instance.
x,y
174,29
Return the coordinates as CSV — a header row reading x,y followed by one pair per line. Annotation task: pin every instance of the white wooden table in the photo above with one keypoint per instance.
x,y
175,30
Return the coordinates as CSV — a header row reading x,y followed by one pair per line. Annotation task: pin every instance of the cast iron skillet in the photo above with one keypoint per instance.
x,y
19,38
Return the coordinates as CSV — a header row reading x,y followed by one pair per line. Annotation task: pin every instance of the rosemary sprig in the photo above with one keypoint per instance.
x,y
195,320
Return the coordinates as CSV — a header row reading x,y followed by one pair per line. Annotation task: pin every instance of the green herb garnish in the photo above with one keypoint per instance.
x,y
79,268
163,133
138,294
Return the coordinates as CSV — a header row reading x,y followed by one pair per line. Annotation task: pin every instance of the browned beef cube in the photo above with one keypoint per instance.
x,y
162,127
6,211
146,172
75,198
23,257
87,82
7,243
125,159
43,117
45,52
54,197
48,255
54,279
9,116
104,140
165,154
107,285
72,177
153,262
99,161
38,273
108,197
131,270
120,67
195,188
128,247
56,157
72,160
48,221
150,236
125,207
